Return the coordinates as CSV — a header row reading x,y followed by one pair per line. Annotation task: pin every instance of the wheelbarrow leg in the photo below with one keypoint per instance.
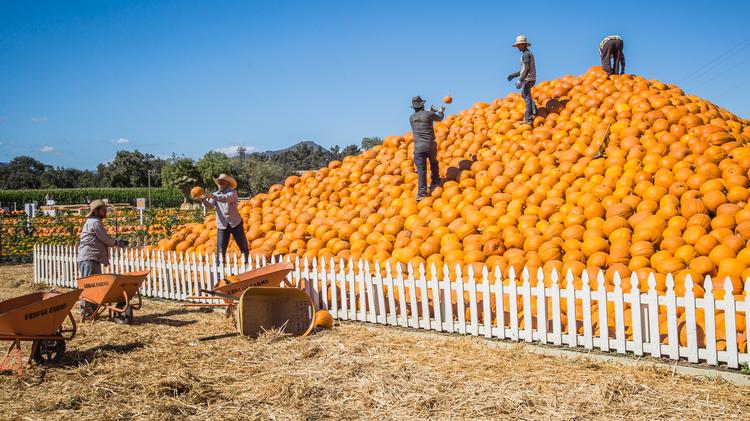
x,y
13,351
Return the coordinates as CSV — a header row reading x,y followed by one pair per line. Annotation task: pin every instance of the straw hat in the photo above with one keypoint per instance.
x,y
232,182
521,39
94,205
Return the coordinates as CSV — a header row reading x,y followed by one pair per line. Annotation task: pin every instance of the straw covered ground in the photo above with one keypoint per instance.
x,y
165,366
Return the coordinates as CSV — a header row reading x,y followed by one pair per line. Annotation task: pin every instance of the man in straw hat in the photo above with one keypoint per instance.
x,y
610,51
228,218
425,147
527,77
93,244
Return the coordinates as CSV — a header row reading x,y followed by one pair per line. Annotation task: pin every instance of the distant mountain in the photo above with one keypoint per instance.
x,y
309,143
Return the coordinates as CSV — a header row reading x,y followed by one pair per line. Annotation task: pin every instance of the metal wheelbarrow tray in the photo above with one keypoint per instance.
x,y
37,317
228,291
117,294
288,309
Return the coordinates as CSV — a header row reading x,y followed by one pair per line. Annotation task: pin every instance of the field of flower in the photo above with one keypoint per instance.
x,y
18,234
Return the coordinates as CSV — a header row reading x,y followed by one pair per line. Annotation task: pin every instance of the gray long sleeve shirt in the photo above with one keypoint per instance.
x,y
421,126
94,241
225,203
528,67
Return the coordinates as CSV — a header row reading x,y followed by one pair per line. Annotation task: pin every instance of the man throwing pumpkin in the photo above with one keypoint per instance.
x,y
228,218
425,147
527,77
610,51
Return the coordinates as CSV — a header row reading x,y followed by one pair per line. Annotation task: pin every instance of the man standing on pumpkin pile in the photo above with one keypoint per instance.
x,y
228,218
527,77
610,51
425,147
93,250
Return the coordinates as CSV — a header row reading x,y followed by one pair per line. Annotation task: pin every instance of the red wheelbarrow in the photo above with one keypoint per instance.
x,y
37,317
117,294
227,291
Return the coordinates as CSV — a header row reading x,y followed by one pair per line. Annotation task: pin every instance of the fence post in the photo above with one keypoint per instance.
x,y
730,324
672,332
709,313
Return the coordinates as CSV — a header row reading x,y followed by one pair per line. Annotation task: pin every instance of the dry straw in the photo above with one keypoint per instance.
x,y
179,364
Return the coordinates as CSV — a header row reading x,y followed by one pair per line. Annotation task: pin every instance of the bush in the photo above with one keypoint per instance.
x,y
160,197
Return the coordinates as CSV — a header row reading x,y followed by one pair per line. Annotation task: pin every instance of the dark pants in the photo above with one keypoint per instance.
x,y
530,106
88,268
613,60
420,160
222,240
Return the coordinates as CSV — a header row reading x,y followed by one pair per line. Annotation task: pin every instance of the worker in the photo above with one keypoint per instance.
x,y
228,218
93,247
425,147
527,77
610,51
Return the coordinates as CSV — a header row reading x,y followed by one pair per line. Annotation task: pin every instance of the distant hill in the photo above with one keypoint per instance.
x,y
309,143
3,164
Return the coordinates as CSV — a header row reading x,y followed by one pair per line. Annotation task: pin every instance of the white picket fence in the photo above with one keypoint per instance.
x,y
474,304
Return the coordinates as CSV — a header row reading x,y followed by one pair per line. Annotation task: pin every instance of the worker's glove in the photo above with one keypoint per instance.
x,y
442,109
519,84
510,77
121,242
432,108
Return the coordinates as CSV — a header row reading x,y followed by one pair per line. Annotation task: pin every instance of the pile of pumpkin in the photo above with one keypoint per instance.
x,y
670,194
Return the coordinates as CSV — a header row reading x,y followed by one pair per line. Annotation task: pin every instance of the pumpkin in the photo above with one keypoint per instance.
x,y
323,320
447,99
196,192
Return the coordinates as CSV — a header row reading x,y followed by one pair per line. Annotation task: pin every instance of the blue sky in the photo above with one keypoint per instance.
x,y
81,80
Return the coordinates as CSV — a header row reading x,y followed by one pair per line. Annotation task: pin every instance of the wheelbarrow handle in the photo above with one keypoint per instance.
x,y
220,294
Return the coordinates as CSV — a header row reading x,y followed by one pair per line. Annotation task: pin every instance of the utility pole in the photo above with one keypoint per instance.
x,y
149,188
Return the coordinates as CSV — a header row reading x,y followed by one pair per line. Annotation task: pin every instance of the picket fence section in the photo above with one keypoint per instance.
x,y
482,304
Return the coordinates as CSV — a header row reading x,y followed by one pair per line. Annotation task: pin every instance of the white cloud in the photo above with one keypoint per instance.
x,y
120,141
232,150
46,149
38,120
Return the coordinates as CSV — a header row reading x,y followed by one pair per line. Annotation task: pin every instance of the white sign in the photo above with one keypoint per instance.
x,y
140,203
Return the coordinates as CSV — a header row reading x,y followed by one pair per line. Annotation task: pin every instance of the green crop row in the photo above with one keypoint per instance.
x,y
160,197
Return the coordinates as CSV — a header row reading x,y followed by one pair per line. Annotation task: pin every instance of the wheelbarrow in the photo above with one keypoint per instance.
x,y
39,318
117,294
290,310
227,291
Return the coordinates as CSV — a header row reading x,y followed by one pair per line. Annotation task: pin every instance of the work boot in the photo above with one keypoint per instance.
x,y
421,196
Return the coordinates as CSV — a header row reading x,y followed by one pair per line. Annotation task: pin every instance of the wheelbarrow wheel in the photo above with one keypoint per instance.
x,y
126,317
49,351
87,309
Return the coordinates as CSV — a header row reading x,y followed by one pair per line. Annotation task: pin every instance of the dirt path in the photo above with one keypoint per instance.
x,y
165,366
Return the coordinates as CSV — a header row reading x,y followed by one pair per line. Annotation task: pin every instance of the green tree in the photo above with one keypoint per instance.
x,y
259,174
60,178
23,172
350,151
212,164
180,173
131,169
371,142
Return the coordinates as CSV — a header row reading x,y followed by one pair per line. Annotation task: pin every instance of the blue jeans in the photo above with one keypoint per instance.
x,y
420,160
222,240
530,106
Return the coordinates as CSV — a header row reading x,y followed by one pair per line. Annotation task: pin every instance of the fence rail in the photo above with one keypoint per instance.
x,y
665,325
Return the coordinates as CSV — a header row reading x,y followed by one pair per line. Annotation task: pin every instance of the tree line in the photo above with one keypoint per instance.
x,y
254,172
